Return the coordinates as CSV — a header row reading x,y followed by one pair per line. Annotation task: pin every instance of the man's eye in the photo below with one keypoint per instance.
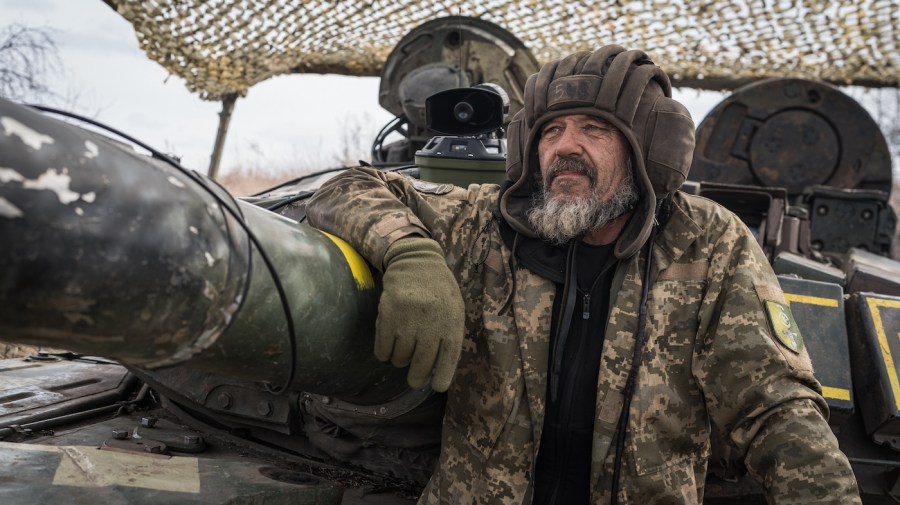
x,y
552,129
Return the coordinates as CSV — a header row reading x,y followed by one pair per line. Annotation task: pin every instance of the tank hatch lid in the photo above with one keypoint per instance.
x,y
474,50
791,133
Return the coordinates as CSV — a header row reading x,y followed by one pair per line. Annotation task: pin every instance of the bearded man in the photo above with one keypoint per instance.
x,y
600,323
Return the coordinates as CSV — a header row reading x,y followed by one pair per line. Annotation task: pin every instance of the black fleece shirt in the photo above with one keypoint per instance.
x,y
563,467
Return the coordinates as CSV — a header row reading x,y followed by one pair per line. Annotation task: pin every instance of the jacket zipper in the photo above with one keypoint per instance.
x,y
563,446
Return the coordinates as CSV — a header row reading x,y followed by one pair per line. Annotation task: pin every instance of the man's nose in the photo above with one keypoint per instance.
x,y
569,144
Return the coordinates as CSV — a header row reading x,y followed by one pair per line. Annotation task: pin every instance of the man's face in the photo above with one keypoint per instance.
x,y
601,149
586,179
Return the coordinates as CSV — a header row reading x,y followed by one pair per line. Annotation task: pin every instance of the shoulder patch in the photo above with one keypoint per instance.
x,y
784,326
431,188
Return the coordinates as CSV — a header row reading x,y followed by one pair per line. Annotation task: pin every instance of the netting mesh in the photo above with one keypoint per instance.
x,y
225,46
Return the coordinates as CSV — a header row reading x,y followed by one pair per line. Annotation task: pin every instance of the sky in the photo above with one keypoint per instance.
x,y
287,125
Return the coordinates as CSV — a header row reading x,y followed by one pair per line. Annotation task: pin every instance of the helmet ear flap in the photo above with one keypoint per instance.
x,y
670,149
530,98
514,144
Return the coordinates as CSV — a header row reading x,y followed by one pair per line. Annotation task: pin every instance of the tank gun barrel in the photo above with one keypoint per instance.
x,y
112,253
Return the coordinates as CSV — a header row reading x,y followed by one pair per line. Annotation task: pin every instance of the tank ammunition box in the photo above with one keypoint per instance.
x,y
788,263
866,278
867,272
818,308
874,331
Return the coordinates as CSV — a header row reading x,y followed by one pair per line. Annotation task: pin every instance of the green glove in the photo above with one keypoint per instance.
x,y
421,316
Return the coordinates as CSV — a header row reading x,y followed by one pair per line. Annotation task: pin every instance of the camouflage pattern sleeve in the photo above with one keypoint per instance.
x,y
758,384
371,209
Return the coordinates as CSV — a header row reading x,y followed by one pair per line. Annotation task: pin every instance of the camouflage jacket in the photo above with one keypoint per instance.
x,y
711,362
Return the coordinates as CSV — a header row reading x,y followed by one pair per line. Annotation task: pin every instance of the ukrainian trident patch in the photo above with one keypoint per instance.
x,y
784,326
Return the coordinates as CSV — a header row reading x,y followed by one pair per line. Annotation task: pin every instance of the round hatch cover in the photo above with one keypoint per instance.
x,y
791,133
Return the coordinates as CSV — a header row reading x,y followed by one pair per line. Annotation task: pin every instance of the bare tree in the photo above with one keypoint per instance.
x,y
28,59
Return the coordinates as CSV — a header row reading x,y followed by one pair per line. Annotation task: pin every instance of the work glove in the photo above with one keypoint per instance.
x,y
421,316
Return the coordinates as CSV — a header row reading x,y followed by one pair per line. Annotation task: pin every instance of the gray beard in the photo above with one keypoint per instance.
x,y
559,222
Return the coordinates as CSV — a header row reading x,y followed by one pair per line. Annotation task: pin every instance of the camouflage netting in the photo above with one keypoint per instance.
x,y
225,46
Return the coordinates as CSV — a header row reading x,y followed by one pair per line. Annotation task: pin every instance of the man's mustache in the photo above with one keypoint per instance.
x,y
569,165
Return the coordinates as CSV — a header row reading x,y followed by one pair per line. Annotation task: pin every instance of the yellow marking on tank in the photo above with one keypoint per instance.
x,y
811,300
358,266
874,304
836,393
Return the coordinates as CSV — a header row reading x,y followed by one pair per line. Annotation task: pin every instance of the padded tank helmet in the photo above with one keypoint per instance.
x,y
624,88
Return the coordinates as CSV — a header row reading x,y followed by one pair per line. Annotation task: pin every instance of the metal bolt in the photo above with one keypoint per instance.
x,y
867,214
120,434
382,410
326,400
821,210
149,422
192,439
264,408
224,400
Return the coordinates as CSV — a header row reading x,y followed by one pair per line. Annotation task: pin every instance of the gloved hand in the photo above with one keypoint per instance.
x,y
421,315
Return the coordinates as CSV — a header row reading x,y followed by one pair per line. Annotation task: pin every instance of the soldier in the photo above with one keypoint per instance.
x,y
601,324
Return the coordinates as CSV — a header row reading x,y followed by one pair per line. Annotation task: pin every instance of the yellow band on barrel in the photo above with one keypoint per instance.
x,y
358,266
